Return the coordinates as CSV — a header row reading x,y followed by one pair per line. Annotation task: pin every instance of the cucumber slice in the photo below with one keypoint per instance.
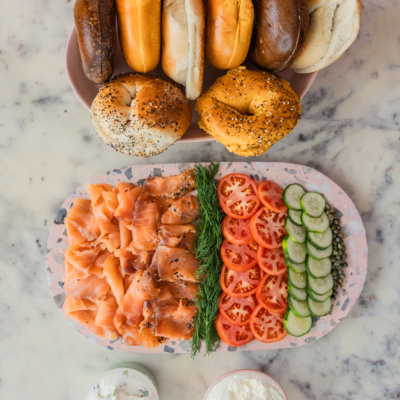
x,y
297,280
299,308
319,309
318,268
318,225
295,251
318,254
297,294
320,240
291,196
295,217
317,297
299,268
296,326
320,285
313,204
297,233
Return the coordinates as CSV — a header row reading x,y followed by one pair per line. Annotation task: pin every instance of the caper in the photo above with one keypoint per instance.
x,y
345,265
340,285
335,252
333,258
339,246
336,264
343,247
340,280
344,256
338,257
340,252
332,211
331,217
337,239
338,227
333,298
336,222
335,292
341,235
335,231
334,273
342,275
327,206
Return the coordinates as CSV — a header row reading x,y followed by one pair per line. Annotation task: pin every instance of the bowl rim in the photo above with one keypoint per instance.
x,y
240,371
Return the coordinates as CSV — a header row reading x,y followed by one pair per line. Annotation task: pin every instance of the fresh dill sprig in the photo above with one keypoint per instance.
x,y
207,250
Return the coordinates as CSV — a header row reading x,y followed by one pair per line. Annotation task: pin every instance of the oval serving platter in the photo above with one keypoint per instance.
x,y
281,173
86,91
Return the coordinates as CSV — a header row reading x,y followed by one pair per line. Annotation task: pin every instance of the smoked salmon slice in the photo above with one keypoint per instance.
x,y
82,256
114,278
187,242
183,211
111,200
145,223
81,216
105,317
175,264
172,187
172,235
88,320
110,237
91,288
100,209
127,197
180,290
73,304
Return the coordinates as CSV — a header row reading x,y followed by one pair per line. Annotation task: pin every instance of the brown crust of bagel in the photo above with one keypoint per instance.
x,y
249,111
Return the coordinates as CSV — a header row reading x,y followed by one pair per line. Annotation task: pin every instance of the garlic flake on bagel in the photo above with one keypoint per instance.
x,y
140,115
249,111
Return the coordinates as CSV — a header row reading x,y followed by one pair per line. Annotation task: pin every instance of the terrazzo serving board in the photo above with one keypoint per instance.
x,y
281,173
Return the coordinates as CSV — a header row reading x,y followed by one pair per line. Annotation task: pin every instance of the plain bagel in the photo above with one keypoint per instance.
x,y
334,25
249,111
140,115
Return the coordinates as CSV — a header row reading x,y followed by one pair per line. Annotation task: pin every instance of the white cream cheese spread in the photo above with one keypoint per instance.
x,y
246,386
123,384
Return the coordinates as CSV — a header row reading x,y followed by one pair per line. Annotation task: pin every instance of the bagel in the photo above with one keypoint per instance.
x,y
248,111
228,32
140,115
334,26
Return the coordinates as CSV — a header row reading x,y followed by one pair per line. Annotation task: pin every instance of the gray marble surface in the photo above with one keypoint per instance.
x,y
349,131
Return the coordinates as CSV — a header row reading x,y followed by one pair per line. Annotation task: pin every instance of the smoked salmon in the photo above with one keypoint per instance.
x,y
183,211
130,270
172,187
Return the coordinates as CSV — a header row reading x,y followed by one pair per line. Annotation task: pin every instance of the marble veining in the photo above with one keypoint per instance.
x,y
350,131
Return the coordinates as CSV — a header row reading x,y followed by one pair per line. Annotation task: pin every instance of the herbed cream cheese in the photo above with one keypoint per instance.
x,y
246,386
123,384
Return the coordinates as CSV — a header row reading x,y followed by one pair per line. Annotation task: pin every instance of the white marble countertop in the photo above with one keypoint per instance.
x,y
350,131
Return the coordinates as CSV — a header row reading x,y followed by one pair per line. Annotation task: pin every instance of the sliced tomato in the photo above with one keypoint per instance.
x,y
237,231
241,284
267,327
268,228
237,195
271,261
239,257
237,310
272,292
271,196
233,335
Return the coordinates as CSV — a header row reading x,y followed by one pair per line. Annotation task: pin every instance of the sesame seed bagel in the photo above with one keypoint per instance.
x,y
140,115
249,111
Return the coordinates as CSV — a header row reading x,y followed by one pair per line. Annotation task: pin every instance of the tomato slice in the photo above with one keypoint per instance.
x,y
272,292
241,284
271,261
233,335
239,257
268,228
271,196
237,195
237,231
267,327
237,310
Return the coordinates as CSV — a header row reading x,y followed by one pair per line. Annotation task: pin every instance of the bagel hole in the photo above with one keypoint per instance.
x,y
132,92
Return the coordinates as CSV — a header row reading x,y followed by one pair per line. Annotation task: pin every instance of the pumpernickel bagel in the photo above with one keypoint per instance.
x,y
140,115
249,111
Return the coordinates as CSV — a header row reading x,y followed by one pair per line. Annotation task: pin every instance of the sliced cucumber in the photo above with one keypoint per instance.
x,y
298,294
319,309
291,196
298,308
320,240
295,251
317,297
295,217
297,233
313,204
318,225
320,285
318,268
299,268
296,326
297,280
313,252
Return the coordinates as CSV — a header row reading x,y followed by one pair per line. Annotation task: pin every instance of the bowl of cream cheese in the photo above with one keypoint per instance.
x,y
245,384
127,381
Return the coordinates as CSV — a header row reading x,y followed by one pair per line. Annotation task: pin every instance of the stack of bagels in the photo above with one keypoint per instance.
x,y
305,35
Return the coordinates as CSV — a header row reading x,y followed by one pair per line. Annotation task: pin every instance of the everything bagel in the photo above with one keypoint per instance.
x,y
249,111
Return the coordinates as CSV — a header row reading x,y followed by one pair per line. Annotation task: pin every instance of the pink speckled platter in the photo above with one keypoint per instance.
x,y
283,174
